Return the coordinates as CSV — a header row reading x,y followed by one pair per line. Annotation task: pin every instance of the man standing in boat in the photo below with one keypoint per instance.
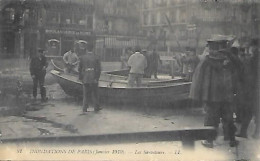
x,y
137,63
38,67
155,60
212,85
71,60
89,73
147,70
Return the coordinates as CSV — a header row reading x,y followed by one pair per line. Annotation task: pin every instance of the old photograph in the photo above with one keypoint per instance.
x,y
129,80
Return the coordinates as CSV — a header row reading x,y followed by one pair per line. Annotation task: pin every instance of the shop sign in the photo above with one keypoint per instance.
x,y
69,32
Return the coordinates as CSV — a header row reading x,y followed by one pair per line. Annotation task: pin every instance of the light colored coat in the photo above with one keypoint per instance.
x,y
70,58
138,63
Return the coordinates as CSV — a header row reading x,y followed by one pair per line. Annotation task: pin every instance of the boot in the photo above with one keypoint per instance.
x,y
233,143
207,143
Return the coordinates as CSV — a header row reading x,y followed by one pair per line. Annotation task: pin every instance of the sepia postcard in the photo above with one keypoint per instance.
x,y
129,80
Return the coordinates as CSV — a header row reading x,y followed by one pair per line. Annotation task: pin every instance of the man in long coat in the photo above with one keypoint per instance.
x,y
212,85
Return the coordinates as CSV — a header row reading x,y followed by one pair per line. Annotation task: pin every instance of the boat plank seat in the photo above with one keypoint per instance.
x,y
187,136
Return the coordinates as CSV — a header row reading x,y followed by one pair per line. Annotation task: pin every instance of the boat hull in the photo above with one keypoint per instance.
x,y
116,93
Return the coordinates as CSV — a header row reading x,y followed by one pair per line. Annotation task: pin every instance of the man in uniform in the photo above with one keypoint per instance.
x,y
89,73
38,67
71,60
213,85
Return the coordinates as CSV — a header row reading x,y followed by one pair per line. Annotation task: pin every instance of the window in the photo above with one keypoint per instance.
x,y
172,2
172,17
52,17
66,18
162,18
183,15
9,14
153,19
145,4
79,19
145,18
89,22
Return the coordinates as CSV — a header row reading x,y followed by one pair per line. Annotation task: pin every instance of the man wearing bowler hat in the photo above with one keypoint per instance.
x,y
38,67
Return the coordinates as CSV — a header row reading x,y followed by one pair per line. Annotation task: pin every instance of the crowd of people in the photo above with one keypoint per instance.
x,y
225,83
224,80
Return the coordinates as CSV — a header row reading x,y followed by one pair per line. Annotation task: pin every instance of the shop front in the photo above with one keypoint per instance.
x,y
58,42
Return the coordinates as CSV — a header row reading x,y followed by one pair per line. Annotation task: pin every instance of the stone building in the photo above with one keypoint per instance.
x,y
51,24
176,24
117,26
56,24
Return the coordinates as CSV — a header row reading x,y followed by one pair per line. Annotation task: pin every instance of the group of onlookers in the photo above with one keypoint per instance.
x,y
186,63
225,82
224,77
246,88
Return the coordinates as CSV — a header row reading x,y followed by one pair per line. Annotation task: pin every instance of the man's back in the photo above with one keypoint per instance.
x,y
88,63
138,63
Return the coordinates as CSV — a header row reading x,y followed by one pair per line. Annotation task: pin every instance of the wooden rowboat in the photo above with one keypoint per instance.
x,y
58,65
118,92
118,76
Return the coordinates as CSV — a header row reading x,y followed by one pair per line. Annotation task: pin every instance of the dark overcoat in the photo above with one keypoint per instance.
x,y
38,66
89,68
212,81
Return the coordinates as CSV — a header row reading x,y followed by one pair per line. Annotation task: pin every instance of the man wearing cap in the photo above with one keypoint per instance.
x,y
212,85
137,63
89,73
71,60
38,67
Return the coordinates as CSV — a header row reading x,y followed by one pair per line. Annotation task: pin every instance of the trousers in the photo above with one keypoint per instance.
x,y
39,79
221,110
134,79
90,93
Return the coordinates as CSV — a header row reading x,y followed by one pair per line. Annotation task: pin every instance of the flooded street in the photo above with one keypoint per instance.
x,y
65,113
62,116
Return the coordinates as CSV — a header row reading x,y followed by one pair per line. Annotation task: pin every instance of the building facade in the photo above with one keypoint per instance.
x,y
117,26
56,24
177,24
50,24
